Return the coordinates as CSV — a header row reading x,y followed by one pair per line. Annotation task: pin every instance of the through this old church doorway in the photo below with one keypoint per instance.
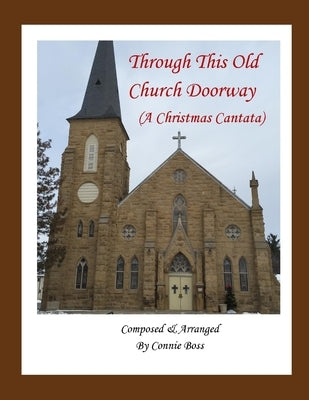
x,y
180,284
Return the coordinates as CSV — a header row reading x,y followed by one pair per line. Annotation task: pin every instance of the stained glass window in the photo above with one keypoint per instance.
x,y
91,229
180,212
81,274
180,263
232,232
243,275
227,269
179,175
128,232
134,273
119,273
80,229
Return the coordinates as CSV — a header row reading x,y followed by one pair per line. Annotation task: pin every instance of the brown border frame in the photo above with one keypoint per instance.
x,y
32,12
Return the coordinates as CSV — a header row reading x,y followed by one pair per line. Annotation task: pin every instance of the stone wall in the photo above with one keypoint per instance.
x,y
211,207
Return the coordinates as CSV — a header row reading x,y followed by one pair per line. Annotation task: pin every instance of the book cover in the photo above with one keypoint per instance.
x,y
218,103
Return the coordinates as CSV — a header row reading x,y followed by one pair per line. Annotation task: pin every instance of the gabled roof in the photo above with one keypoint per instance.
x,y
179,150
101,99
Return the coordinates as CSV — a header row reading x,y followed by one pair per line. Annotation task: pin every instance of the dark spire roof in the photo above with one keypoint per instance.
x,y
101,98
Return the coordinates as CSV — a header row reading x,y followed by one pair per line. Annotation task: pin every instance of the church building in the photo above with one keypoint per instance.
x,y
176,242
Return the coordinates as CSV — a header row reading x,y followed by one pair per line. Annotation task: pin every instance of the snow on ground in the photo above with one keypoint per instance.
x,y
58,312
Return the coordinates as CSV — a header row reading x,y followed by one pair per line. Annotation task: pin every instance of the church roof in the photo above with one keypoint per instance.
x,y
179,150
101,99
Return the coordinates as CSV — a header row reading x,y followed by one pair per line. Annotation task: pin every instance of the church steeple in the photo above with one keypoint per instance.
x,y
101,98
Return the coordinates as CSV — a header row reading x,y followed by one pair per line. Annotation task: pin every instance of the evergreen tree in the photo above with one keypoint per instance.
x,y
230,298
47,185
274,244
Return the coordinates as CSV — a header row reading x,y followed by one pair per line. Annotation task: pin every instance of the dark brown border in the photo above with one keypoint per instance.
x,y
142,386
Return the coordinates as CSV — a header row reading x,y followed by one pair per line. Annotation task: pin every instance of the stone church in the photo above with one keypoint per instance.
x,y
175,242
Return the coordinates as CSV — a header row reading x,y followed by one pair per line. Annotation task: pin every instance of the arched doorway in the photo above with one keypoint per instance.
x,y
180,284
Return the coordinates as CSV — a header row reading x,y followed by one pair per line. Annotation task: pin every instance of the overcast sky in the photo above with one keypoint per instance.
x,y
229,151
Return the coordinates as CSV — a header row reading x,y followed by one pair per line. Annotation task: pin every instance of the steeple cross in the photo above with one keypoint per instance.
x,y
179,138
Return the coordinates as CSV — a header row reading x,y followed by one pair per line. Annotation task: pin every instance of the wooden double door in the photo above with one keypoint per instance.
x,y
180,292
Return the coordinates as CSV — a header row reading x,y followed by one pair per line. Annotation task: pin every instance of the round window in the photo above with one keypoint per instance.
x,y
232,232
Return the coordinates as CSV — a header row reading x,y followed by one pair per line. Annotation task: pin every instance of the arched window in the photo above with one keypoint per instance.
x,y
134,273
227,271
81,274
180,211
119,273
80,229
180,263
91,154
91,229
243,275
